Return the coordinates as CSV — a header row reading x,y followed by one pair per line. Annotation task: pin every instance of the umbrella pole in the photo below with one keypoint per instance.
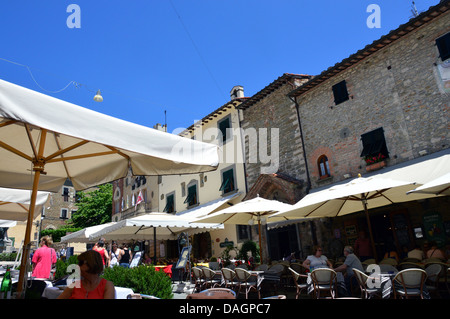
x,y
370,229
260,248
154,245
38,168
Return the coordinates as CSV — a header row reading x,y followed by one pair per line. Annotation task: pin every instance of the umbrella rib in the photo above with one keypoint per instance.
x,y
118,152
311,212
67,149
30,138
15,151
69,158
440,192
64,163
8,123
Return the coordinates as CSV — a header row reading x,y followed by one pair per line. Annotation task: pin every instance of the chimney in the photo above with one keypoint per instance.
x,y
237,92
160,127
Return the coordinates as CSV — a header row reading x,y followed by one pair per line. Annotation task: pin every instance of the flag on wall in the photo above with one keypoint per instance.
x,y
140,198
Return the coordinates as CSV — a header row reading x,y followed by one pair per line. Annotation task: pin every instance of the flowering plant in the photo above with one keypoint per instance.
x,y
372,159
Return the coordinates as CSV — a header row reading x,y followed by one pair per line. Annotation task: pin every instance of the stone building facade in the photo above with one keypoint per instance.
x,y
392,84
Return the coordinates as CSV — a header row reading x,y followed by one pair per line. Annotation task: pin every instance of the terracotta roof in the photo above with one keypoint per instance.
x,y
425,17
280,81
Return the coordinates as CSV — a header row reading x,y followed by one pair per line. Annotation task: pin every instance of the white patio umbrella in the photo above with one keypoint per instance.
x,y
161,226
57,140
438,186
360,194
247,212
82,236
15,203
164,225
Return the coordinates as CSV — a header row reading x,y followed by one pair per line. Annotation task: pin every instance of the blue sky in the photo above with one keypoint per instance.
x,y
180,56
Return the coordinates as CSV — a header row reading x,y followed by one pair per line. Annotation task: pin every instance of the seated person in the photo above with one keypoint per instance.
x,y
317,260
351,262
416,253
391,253
435,252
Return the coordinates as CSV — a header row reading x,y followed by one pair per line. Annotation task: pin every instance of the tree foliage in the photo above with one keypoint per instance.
x,y
94,207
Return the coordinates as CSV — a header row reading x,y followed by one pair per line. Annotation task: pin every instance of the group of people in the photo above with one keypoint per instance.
x,y
119,256
91,263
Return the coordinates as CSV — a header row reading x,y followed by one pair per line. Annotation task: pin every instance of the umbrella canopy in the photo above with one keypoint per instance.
x,y
88,147
60,140
360,194
166,226
247,212
82,236
15,203
438,186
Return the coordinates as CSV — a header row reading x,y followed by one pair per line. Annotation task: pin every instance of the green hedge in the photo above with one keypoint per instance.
x,y
142,279
8,256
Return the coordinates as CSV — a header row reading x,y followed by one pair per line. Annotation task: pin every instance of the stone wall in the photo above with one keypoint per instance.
x,y
397,88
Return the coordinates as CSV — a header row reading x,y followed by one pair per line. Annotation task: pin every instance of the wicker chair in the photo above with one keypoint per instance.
x,y
211,279
410,283
324,279
199,278
362,278
229,278
299,281
243,277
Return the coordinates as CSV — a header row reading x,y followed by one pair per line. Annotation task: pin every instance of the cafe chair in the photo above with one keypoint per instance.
x,y
210,277
262,267
243,276
324,280
362,278
408,265
433,274
389,261
229,278
387,268
220,290
199,278
299,281
409,283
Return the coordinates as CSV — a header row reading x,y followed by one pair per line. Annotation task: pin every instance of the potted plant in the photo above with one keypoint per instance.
x,y
374,162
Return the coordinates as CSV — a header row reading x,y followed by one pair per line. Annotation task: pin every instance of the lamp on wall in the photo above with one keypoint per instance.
x,y
98,97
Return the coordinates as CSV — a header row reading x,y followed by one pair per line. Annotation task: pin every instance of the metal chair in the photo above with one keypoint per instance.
x,y
433,274
299,281
409,282
324,279
362,278
408,265
229,276
262,267
243,277
211,279
199,278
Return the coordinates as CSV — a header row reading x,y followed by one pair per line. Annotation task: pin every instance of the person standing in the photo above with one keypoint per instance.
x,y
100,248
116,254
362,247
125,259
43,259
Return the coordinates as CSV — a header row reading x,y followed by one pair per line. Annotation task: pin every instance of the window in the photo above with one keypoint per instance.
x,y
374,144
324,168
65,193
191,198
223,126
443,45
244,232
340,92
170,204
63,214
228,183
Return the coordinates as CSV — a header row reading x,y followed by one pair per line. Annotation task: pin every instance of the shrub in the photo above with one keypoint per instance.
x,y
61,266
142,279
8,256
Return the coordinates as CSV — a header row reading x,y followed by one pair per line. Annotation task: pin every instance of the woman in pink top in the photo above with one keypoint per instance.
x,y
43,259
